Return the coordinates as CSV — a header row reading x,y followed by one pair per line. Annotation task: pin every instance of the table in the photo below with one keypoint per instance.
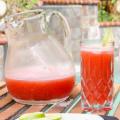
x,y
5,45
10,110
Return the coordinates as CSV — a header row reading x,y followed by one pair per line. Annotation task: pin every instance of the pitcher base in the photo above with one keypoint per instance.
x,y
41,102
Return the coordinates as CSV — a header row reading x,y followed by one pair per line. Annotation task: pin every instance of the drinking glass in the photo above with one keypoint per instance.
x,y
97,67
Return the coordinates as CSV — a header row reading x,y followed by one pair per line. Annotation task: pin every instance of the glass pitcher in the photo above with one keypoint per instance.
x,y
38,68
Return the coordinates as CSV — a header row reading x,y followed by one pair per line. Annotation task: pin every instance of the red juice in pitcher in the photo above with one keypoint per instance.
x,y
96,77
34,84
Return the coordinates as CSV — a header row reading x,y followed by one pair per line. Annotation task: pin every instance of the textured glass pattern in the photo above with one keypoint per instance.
x,y
97,78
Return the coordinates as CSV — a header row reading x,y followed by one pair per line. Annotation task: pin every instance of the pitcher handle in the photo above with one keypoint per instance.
x,y
67,32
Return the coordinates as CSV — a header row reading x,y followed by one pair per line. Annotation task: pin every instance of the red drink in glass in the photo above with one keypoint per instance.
x,y
97,77
32,84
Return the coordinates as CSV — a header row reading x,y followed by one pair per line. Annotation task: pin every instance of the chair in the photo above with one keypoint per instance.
x,y
3,43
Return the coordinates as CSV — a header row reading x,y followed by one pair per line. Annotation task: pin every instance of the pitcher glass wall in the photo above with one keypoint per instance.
x,y
38,68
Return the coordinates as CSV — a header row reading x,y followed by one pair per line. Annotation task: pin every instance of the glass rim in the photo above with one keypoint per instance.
x,y
96,42
97,47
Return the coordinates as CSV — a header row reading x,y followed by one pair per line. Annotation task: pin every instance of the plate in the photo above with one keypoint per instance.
x,y
71,116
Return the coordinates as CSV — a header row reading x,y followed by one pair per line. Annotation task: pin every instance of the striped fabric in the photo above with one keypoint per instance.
x,y
70,1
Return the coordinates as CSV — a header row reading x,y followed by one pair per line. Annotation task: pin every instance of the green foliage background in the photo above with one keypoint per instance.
x,y
104,15
20,5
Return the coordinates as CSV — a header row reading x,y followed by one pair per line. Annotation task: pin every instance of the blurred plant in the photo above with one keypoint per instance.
x,y
113,1
103,15
15,6
108,10
20,5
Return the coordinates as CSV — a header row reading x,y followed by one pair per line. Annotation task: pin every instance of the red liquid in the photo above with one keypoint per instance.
x,y
33,85
97,75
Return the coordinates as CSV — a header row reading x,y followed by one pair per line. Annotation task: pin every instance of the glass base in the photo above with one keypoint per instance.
x,y
96,107
41,102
